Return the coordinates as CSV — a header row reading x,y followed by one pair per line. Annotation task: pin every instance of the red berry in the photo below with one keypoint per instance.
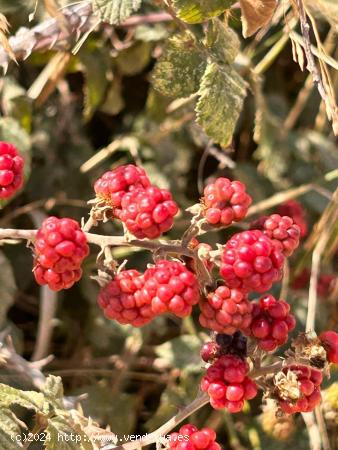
x,y
112,186
271,323
11,170
171,288
251,262
282,231
190,438
226,311
123,299
225,202
210,351
60,248
298,390
227,384
148,212
329,340
295,210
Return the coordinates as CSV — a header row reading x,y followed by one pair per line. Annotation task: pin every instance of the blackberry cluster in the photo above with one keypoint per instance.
x,y
11,170
190,438
282,231
135,298
271,322
329,339
227,384
225,202
145,210
113,185
298,388
122,299
147,213
226,311
60,247
171,288
251,262
295,210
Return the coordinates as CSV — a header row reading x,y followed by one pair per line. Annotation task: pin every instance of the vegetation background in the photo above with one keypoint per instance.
x,y
77,113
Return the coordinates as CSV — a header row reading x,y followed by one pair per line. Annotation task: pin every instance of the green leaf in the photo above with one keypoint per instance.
x,y
53,391
222,41
114,102
221,96
134,59
96,79
150,33
197,11
62,434
115,11
27,399
10,428
180,68
7,288
182,353
16,103
105,407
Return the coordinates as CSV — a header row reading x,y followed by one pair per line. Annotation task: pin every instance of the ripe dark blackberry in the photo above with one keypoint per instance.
x,y
329,339
123,299
171,287
235,344
295,210
147,213
190,438
297,388
225,202
282,230
225,311
112,186
227,383
271,323
60,247
251,262
11,170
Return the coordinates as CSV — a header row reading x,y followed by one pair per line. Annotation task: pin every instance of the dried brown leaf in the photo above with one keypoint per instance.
x,y
4,27
53,9
256,14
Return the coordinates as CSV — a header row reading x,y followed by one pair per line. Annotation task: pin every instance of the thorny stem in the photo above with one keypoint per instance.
x,y
201,400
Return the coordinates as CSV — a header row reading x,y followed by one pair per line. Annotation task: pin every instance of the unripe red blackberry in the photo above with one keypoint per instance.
x,y
297,388
271,322
251,262
11,170
329,339
226,311
123,299
283,232
225,202
295,210
227,383
190,438
147,213
210,351
171,287
112,186
60,247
